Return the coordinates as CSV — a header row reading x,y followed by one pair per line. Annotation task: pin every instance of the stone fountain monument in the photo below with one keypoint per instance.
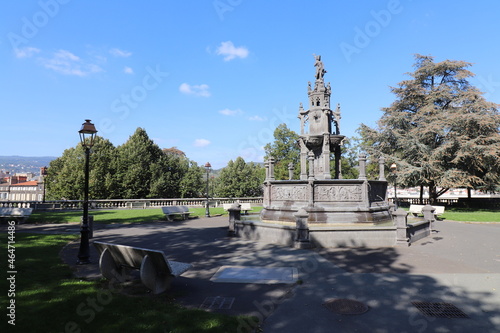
x,y
321,207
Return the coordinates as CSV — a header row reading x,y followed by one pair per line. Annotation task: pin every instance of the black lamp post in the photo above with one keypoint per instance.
x,y
394,167
87,136
207,167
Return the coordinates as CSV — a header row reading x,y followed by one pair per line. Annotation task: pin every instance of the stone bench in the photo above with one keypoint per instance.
x,y
172,211
47,206
18,214
156,271
416,210
245,207
136,205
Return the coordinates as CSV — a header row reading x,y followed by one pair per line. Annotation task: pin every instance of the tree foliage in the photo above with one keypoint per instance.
x,y
136,169
284,150
348,160
192,185
240,179
65,176
138,161
440,131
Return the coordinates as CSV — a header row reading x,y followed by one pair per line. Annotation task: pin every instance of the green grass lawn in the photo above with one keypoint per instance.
x,y
471,215
118,215
49,299
155,214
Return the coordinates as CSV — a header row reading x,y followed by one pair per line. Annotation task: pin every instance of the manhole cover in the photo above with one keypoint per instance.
x,y
217,302
346,306
440,310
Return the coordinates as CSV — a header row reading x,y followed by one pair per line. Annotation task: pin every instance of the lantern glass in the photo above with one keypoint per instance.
x,y
87,134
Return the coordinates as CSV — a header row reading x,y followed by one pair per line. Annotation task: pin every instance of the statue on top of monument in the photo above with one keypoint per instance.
x,y
320,70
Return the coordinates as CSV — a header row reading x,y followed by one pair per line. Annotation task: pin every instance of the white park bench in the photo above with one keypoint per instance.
x,y
172,211
156,271
17,214
416,210
245,207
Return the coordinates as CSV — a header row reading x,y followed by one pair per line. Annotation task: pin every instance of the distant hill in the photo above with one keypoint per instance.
x,y
20,164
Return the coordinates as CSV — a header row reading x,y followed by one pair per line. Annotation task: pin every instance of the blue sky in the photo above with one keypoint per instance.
x,y
214,78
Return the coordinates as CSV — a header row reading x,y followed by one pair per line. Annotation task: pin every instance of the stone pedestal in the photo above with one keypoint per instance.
x,y
428,212
234,215
302,240
400,217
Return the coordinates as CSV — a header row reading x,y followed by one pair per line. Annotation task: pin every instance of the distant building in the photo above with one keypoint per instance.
x,y
15,179
17,188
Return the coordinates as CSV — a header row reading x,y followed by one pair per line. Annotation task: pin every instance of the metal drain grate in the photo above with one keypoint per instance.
x,y
439,310
346,306
217,303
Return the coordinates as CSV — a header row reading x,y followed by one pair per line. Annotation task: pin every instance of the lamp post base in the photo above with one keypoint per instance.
x,y
84,251
83,262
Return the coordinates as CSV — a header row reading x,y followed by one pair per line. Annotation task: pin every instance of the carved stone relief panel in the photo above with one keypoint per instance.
x,y
337,193
297,192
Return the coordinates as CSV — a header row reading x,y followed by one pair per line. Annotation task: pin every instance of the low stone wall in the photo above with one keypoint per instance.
x,y
340,236
409,233
265,232
353,237
418,230
284,233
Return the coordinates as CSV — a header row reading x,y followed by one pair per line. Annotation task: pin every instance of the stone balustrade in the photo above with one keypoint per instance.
x,y
125,203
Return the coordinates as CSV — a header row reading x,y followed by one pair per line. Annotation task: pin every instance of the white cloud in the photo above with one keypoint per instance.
x,y
201,143
229,112
128,70
26,52
257,118
197,90
253,154
67,63
120,53
229,51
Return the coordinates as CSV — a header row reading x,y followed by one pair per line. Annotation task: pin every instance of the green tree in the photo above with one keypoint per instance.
x,y
137,166
240,179
168,173
65,175
440,130
284,150
348,160
102,184
192,185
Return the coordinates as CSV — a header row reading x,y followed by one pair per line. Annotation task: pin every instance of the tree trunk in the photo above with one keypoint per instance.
x,y
432,193
421,199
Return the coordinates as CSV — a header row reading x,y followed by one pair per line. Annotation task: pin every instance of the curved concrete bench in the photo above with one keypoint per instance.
x,y
19,214
156,271
171,211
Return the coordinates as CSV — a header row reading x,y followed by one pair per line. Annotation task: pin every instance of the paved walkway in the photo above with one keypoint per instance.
x,y
458,264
